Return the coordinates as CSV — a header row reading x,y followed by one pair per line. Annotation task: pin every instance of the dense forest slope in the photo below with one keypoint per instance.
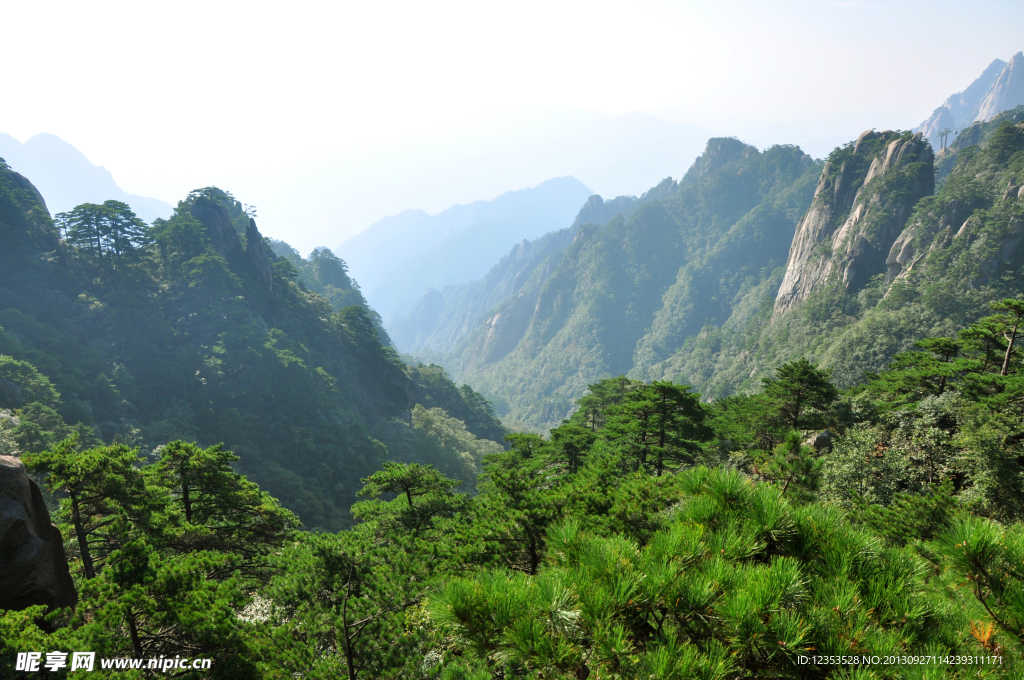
x,y
194,329
642,283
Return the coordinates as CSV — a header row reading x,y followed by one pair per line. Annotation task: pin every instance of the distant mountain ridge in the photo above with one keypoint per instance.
x,y
999,88
399,257
66,178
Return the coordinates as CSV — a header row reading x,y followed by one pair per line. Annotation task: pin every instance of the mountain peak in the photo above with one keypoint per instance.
x,y
999,88
67,178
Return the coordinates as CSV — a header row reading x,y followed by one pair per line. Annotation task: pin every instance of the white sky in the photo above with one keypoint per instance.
x,y
329,115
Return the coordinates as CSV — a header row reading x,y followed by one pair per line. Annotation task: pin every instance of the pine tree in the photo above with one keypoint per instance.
x,y
107,496
795,468
225,511
801,395
659,423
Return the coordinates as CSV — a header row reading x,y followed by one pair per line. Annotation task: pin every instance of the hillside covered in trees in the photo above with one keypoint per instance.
x,y
650,536
750,260
193,329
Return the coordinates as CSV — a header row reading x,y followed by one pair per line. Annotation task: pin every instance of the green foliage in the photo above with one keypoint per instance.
x,y
657,425
739,581
910,516
434,389
801,395
623,297
104,493
648,534
989,557
412,481
794,468
578,556
222,510
109,231
34,386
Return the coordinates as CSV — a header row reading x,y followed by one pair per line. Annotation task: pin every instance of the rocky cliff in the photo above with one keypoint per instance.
x,y
224,237
999,88
1006,92
33,566
863,199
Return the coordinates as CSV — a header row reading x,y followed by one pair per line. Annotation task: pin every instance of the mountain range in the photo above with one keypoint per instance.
x,y
751,259
66,178
399,257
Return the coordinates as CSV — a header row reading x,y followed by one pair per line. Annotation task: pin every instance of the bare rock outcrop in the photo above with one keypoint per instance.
x,y
999,88
863,199
1011,191
256,253
218,224
1006,92
225,239
33,566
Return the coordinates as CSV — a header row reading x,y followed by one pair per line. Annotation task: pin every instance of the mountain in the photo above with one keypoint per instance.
x,y
441,318
999,88
399,257
923,264
195,330
639,284
863,198
66,178
754,259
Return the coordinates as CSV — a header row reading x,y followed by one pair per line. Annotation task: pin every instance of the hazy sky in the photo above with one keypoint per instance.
x,y
329,115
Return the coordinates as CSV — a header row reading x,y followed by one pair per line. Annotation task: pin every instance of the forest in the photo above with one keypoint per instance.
x,y
651,535
243,468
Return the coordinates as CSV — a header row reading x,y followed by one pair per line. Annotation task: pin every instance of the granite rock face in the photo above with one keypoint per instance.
x,y
999,88
1006,92
863,199
218,224
33,566
256,253
254,257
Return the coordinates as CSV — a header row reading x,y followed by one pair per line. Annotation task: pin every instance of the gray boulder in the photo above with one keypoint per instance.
x,y
33,566
821,441
1011,191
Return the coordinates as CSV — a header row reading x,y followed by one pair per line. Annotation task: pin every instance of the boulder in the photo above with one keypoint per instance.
x,y
821,441
33,566
1011,191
